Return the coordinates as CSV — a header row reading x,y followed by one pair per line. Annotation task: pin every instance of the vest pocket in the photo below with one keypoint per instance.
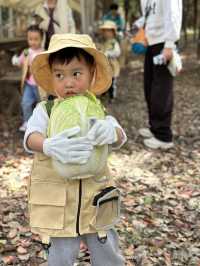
x,y
107,204
47,205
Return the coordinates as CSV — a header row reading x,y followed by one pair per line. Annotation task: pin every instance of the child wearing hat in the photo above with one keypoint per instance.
x,y
68,201
111,48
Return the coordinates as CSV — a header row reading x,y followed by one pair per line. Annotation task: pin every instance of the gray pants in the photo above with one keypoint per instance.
x,y
64,251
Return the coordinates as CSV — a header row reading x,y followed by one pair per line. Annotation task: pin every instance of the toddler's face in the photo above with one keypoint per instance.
x,y
108,33
114,12
34,39
73,78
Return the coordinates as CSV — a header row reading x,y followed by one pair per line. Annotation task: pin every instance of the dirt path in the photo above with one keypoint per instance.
x,y
161,199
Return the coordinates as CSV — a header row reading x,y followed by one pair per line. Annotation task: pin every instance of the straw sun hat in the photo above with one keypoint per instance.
x,y
108,25
42,72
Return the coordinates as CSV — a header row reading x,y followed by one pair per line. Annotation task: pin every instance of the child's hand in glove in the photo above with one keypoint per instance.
x,y
62,147
103,132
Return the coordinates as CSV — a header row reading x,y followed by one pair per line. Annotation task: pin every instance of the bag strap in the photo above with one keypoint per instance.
x,y
147,12
26,52
49,105
53,20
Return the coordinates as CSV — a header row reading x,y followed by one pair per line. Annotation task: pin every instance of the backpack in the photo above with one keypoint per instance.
x,y
49,105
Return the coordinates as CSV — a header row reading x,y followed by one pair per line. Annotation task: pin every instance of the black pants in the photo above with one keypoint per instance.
x,y
158,90
113,89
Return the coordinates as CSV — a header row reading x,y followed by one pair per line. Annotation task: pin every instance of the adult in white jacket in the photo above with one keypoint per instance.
x,y
54,16
162,28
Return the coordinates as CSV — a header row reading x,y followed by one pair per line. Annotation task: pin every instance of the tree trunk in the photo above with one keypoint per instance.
x,y
198,45
88,13
195,18
198,38
126,9
186,8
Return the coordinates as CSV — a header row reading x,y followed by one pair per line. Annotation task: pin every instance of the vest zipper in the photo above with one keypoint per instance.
x,y
79,208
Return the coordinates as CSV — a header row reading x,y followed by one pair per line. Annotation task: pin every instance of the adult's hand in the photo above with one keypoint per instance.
x,y
167,53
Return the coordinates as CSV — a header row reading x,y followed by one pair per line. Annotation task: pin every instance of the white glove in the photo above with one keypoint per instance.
x,y
102,132
175,64
61,147
15,60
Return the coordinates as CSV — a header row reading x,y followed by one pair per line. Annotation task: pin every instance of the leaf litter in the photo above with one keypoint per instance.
x,y
160,221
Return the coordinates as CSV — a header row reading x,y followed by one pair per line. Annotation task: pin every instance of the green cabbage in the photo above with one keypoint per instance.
x,y
79,110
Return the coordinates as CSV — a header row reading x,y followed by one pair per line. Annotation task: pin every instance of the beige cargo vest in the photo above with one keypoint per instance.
x,y
68,208
114,62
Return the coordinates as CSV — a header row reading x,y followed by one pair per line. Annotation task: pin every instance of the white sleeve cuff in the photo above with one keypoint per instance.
x,y
27,134
38,122
170,44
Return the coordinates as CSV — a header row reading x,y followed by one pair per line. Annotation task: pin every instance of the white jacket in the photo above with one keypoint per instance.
x,y
163,23
62,15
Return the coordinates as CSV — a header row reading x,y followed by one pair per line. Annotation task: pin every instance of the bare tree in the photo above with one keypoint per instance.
x,y
195,18
198,40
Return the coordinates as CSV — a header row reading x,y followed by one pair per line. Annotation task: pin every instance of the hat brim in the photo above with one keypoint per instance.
x,y
108,28
43,76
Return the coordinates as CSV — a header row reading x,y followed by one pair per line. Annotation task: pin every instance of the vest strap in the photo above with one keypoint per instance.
x,y
49,104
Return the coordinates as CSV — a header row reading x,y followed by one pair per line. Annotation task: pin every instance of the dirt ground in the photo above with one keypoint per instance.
x,y
160,222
